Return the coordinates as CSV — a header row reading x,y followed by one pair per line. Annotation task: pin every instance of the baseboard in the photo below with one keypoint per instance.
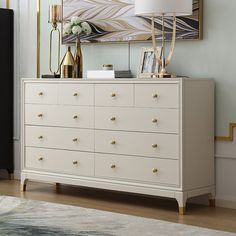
x,y
226,203
17,174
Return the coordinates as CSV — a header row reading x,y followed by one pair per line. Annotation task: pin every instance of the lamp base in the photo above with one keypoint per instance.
x,y
54,76
166,75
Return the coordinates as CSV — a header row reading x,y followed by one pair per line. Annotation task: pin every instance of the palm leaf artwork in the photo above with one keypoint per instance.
x,y
115,21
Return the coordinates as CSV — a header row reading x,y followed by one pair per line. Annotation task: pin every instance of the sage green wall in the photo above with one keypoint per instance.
x,y
212,57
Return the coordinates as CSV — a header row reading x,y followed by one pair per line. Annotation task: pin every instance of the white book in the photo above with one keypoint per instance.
x,y
100,74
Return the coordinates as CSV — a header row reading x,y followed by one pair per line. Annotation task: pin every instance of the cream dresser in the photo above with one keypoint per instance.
x,y
152,137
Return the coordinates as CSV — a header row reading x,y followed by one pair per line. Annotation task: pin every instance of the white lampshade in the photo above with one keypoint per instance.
x,y
168,7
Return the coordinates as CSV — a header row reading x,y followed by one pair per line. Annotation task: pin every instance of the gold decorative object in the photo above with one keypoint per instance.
x,y
55,17
68,65
229,138
163,8
78,60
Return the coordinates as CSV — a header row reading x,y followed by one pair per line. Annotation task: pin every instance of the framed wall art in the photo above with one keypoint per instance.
x,y
115,21
148,64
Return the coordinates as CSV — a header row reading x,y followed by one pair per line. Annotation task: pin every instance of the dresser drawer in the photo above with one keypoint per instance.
x,y
76,94
138,144
60,138
137,119
41,93
114,95
157,95
66,116
143,169
58,161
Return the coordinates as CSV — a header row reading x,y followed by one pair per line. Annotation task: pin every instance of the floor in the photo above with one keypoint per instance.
x,y
150,207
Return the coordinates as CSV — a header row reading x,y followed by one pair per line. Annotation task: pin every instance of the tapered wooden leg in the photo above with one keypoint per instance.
x,y
182,210
57,186
10,176
23,185
212,201
181,198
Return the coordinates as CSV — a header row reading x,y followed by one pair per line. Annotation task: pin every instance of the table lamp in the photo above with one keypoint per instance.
x,y
163,8
54,17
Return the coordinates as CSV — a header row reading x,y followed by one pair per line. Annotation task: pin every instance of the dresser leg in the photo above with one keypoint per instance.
x,y
212,201
182,211
23,185
10,174
57,186
181,199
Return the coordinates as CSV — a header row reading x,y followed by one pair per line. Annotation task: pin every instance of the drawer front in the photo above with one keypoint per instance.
x,y
58,161
76,94
137,168
114,95
41,93
137,119
157,95
138,144
60,138
66,116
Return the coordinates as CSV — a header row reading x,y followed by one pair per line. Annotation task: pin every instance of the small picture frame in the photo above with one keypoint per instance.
x,y
148,64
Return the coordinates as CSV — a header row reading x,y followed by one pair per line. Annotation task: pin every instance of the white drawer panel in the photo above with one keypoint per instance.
x,y
114,95
41,93
61,138
138,144
137,168
66,116
137,119
67,162
157,95
76,94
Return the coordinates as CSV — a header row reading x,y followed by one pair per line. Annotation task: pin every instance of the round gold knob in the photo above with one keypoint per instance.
x,y
75,94
113,166
75,140
75,162
40,93
154,145
75,117
154,120
113,142
40,137
113,95
113,118
155,95
40,115
40,158
154,170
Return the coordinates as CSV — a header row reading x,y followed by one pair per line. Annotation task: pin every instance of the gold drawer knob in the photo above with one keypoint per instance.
x,y
75,140
113,166
154,145
40,115
154,170
113,95
155,95
154,121
75,117
75,162
113,118
40,137
40,158
75,94
113,142
40,93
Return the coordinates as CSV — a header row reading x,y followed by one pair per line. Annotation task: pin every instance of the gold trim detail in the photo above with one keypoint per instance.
x,y
8,4
229,138
38,37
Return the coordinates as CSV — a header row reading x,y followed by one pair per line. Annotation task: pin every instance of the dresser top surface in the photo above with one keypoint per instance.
x,y
129,80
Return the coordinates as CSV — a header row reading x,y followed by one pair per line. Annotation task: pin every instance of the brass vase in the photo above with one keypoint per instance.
x,y
78,60
68,65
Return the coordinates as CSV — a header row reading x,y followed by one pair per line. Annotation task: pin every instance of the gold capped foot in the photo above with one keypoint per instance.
x,y
212,202
182,210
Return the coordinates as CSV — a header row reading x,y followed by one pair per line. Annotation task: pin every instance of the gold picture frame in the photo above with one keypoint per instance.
x,y
148,65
